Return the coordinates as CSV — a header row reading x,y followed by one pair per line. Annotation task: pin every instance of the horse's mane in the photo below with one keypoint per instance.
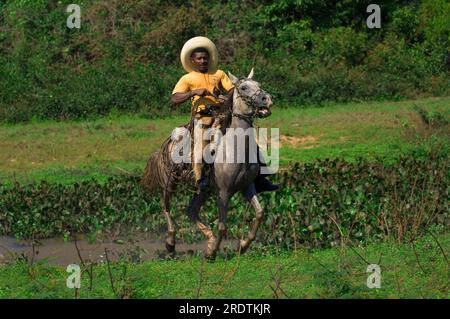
x,y
223,110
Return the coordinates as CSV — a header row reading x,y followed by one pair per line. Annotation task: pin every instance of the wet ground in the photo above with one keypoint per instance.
x,y
59,252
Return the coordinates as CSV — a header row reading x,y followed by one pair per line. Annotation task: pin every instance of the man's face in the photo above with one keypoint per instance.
x,y
200,60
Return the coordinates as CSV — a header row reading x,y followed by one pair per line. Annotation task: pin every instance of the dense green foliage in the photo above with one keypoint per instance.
x,y
125,56
321,203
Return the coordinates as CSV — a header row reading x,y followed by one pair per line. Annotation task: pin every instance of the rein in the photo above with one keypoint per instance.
x,y
245,117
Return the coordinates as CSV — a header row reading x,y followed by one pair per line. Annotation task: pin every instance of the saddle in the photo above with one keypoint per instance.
x,y
221,119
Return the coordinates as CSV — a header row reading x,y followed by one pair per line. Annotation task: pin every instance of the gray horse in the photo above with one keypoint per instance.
x,y
228,177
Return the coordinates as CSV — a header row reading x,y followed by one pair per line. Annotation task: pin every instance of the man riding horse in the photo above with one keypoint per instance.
x,y
246,101
203,84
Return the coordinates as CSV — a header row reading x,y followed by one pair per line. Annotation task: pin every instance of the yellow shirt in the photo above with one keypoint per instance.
x,y
197,80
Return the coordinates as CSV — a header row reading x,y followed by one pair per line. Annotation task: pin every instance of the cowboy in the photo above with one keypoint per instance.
x,y
202,84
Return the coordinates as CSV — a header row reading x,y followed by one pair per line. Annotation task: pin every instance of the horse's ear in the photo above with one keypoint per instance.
x,y
233,79
250,76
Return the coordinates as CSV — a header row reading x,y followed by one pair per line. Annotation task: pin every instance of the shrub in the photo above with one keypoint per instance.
x,y
126,54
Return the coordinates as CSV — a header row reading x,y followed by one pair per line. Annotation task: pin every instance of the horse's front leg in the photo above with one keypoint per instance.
x,y
193,213
170,240
223,200
253,199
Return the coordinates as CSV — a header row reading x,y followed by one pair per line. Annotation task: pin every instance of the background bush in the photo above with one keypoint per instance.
x,y
126,55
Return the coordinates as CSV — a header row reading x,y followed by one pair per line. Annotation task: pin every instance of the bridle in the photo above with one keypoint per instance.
x,y
248,100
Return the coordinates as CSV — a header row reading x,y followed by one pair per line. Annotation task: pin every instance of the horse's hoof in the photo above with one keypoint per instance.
x,y
170,248
241,247
210,256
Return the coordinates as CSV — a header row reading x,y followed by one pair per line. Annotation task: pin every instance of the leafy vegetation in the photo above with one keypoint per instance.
x,y
125,56
321,203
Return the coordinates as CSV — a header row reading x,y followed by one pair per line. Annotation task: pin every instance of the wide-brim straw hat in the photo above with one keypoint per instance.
x,y
199,42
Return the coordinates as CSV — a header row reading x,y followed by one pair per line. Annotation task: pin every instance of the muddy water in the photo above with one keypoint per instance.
x,y
59,252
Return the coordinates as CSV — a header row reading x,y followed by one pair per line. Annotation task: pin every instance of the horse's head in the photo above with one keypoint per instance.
x,y
249,99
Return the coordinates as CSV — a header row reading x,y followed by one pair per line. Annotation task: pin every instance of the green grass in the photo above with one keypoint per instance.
x,y
78,150
338,272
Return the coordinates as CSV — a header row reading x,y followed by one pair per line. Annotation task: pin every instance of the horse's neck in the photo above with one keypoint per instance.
x,y
243,123
236,121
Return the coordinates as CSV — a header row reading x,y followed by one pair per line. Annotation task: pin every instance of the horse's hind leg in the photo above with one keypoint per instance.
x,y
170,240
193,212
223,201
245,243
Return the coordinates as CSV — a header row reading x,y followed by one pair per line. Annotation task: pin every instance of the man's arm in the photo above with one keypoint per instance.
x,y
178,98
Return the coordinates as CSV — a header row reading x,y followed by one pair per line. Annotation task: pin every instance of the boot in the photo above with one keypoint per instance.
x,y
203,182
262,184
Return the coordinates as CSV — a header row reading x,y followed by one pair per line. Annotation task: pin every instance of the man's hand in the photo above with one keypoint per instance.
x,y
216,92
200,92
178,98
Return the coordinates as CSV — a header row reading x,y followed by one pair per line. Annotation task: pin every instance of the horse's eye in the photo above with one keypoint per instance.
x,y
244,88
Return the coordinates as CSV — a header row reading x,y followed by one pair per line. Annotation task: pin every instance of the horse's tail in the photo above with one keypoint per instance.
x,y
150,180
158,171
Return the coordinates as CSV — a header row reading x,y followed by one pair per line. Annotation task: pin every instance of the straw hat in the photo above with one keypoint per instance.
x,y
199,42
